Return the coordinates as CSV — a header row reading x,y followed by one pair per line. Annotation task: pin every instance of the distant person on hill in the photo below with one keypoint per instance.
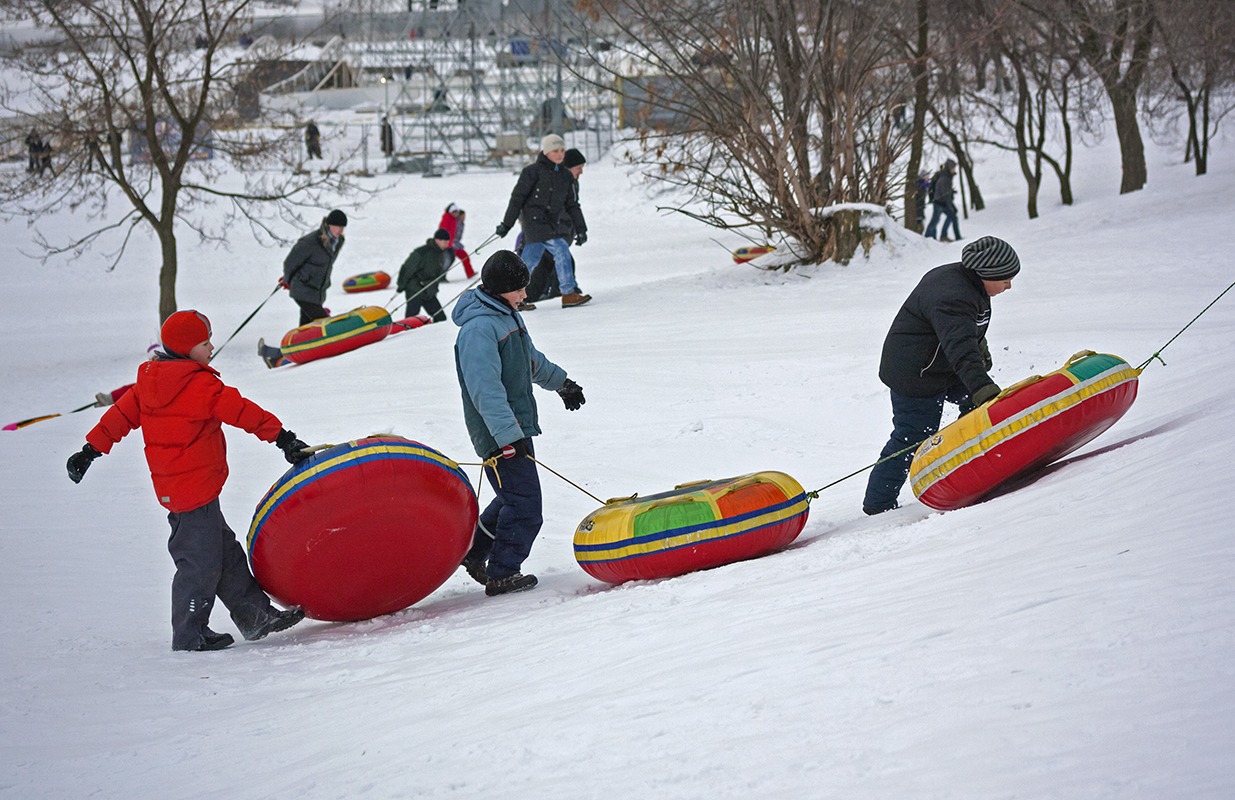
x,y
544,195
941,195
545,283
453,219
313,140
418,277
388,138
497,365
936,352
180,405
921,190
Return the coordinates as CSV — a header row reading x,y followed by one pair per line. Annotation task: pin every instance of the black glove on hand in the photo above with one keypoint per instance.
x,y
513,449
988,392
502,230
572,395
985,349
80,461
581,239
293,448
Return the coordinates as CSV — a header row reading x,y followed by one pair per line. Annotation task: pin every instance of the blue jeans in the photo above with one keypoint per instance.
x,y
948,210
913,420
509,525
532,251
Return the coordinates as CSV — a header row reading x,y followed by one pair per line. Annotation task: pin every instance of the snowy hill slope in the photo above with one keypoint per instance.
x,y
1072,639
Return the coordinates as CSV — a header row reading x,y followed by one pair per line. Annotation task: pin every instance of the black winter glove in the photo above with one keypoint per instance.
x,y
502,230
988,392
985,349
513,449
293,449
572,395
80,461
581,239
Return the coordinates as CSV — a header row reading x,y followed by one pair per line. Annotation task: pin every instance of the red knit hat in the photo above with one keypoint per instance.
x,y
184,330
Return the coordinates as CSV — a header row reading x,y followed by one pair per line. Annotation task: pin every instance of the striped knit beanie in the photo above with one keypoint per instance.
x,y
991,258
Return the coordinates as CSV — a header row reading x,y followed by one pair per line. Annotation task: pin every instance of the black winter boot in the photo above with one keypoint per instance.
x,y
277,621
210,641
511,583
475,566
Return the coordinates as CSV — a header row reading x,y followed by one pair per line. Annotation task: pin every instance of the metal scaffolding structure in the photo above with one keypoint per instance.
x,y
477,82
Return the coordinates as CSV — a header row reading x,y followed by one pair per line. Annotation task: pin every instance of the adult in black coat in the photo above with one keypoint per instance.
x,y
544,283
545,204
936,352
307,268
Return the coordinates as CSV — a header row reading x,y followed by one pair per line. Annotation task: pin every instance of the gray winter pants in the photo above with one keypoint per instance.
x,y
209,563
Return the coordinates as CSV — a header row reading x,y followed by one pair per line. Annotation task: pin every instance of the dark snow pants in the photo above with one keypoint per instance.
x,y
913,420
432,306
309,312
511,522
209,563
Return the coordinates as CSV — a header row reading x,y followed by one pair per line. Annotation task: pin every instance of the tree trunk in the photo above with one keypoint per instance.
x,y
921,91
1131,146
167,275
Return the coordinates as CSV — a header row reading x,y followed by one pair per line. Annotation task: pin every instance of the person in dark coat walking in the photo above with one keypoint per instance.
x,y
541,198
388,138
313,140
306,276
418,277
936,352
545,284
307,268
942,195
180,404
497,365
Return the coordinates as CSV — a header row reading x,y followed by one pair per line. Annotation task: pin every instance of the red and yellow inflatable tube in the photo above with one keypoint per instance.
x,y
695,526
334,335
1029,425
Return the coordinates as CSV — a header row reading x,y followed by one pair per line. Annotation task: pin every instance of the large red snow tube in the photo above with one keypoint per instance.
x,y
334,335
366,282
1029,425
695,526
362,529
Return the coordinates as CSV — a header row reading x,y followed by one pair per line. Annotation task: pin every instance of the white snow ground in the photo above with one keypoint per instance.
x,y
1070,640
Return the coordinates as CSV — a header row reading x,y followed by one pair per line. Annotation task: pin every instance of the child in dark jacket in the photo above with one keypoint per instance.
x,y
180,405
420,274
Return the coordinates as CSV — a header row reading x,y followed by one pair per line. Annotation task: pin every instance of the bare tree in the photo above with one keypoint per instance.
x,y
765,113
160,77
1199,58
1114,38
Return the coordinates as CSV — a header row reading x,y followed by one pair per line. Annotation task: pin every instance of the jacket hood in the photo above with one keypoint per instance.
x,y
475,303
162,381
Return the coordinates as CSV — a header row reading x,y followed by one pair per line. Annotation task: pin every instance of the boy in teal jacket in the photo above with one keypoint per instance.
x,y
497,365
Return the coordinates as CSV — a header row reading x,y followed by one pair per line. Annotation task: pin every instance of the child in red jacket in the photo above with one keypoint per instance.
x,y
180,405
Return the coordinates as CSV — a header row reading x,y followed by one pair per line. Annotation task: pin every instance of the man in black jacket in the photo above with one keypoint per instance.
x,y
545,204
936,352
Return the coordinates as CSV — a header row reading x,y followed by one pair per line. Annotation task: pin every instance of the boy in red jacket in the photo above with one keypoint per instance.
x,y
180,405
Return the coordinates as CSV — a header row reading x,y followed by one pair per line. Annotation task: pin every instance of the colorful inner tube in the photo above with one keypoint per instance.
x,y
744,254
362,529
1029,425
409,323
334,335
366,282
695,526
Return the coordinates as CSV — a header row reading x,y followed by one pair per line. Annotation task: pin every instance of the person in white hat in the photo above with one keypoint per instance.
x,y
545,204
